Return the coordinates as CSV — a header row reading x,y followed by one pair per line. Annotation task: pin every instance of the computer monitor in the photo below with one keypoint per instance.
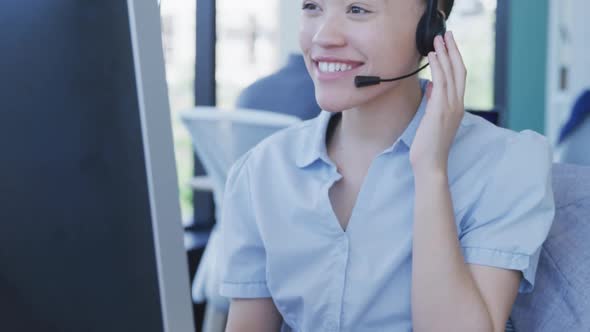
x,y
90,225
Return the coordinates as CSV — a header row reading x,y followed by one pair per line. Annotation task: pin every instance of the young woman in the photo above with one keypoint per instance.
x,y
393,210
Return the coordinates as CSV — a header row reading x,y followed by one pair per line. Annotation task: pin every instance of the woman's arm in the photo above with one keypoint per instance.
x,y
447,294
253,315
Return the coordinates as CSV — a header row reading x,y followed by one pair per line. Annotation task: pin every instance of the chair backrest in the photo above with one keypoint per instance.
x,y
575,148
492,116
559,301
222,136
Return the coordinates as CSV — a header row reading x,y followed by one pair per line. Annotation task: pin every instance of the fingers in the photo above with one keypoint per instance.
x,y
428,90
445,63
438,89
459,70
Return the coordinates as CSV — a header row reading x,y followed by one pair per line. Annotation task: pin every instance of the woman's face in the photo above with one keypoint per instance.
x,y
341,39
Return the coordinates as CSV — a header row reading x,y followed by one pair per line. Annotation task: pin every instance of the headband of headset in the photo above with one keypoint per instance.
x,y
431,24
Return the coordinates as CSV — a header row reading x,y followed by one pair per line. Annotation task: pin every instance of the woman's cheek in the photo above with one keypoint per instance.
x,y
306,33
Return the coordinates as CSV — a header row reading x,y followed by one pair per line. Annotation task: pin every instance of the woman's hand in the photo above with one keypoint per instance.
x,y
430,149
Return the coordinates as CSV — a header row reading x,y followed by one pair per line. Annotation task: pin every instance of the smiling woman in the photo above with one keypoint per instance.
x,y
374,215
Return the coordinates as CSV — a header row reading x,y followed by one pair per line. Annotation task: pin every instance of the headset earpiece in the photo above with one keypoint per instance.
x,y
432,23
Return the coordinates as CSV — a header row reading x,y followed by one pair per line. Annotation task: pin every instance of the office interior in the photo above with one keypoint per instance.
x,y
528,68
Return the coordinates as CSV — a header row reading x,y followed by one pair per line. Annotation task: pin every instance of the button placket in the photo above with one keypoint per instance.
x,y
344,245
343,253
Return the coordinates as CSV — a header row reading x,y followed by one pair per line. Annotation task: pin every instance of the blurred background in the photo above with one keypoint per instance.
x,y
77,183
527,63
520,57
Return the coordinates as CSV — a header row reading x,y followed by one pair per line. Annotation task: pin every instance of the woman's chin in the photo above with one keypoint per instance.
x,y
333,105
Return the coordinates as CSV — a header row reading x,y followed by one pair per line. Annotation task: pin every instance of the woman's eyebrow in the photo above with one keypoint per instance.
x,y
377,2
371,2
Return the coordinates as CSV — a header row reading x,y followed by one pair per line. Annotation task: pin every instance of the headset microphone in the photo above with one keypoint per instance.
x,y
431,24
362,81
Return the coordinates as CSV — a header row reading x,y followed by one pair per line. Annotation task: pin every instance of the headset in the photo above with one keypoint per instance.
x,y
432,23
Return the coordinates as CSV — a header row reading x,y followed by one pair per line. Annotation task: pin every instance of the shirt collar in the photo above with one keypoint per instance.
x,y
314,146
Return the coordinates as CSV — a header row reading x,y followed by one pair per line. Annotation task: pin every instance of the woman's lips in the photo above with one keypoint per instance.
x,y
332,76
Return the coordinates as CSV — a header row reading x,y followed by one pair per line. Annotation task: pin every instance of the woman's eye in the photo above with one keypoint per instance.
x,y
309,6
357,10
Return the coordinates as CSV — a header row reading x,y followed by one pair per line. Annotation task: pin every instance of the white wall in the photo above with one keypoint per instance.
x,y
573,52
289,13
581,50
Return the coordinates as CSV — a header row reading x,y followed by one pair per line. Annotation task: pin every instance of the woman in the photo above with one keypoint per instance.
x,y
392,210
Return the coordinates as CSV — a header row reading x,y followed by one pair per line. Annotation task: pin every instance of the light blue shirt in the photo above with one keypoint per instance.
x,y
282,239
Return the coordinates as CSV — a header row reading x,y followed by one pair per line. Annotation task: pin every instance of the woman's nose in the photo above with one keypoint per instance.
x,y
330,33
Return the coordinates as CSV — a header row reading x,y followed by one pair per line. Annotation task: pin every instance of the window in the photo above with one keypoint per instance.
x,y
473,23
178,35
247,45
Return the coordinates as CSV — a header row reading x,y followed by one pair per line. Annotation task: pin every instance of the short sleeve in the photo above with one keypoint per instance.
x,y
243,258
513,215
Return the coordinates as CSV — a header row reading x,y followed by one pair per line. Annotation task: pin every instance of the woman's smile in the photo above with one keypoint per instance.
x,y
329,68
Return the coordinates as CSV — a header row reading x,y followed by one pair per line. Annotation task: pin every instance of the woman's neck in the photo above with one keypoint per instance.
x,y
375,126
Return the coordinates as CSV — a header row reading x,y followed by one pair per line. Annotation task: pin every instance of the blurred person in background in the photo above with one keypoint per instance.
x,y
289,91
575,134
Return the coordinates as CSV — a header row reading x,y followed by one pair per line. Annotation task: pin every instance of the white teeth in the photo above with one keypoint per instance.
x,y
332,67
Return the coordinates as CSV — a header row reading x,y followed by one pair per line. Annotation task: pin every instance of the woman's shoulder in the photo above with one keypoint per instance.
x,y
485,153
281,146
486,138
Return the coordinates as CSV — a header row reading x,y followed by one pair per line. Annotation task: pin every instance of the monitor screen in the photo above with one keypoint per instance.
x,y
90,226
